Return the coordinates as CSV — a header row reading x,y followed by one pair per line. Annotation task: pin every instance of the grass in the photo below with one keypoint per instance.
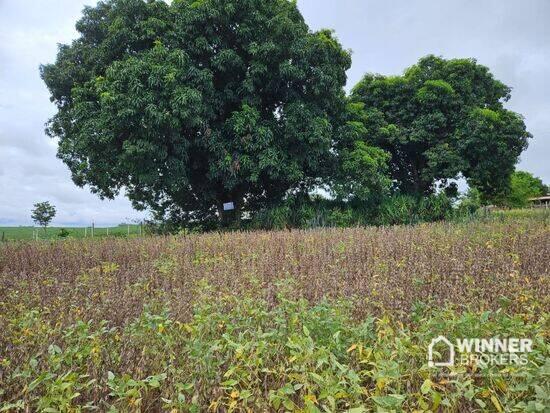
x,y
26,233
307,321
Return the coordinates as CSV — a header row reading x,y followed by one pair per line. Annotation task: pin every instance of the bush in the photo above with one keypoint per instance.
x,y
63,233
297,211
304,212
470,203
406,209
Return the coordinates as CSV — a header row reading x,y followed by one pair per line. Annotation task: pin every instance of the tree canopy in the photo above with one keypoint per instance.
x,y
196,103
360,171
523,185
442,119
43,213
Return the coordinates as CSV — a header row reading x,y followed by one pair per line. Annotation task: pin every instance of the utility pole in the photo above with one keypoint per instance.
x,y
93,225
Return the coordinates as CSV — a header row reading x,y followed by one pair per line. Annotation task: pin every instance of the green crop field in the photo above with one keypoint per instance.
x,y
27,233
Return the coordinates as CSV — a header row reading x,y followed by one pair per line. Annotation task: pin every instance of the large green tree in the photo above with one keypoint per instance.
x,y
197,103
442,119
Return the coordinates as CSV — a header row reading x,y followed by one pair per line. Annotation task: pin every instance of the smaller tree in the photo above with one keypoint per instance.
x,y
523,186
441,120
43,213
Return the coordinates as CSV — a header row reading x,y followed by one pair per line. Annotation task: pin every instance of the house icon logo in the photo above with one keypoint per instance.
x,y
445,363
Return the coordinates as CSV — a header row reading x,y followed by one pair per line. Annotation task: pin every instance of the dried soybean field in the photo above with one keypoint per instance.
x,y
320,320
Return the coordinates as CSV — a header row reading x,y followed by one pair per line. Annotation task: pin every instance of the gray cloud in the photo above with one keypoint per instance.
x,y
29,170
511,37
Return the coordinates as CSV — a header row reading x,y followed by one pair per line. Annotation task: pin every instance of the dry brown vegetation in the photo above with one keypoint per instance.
x,y
238,321
477,265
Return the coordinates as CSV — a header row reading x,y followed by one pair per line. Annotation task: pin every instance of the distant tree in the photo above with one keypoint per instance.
x,y
192,104
43,213
470,202
523,185
444,118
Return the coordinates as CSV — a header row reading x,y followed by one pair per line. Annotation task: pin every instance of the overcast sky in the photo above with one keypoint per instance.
x,y
511,37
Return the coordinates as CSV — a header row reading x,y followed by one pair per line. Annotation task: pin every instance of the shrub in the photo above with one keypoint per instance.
x,y
63,233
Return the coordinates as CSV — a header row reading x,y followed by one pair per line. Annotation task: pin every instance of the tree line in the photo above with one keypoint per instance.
x,y
208,111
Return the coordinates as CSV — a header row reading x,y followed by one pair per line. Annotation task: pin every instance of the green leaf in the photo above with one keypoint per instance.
x,y
357,410
426,386
389,401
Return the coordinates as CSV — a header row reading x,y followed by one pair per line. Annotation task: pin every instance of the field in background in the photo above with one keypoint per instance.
x,y
309,321
27,233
